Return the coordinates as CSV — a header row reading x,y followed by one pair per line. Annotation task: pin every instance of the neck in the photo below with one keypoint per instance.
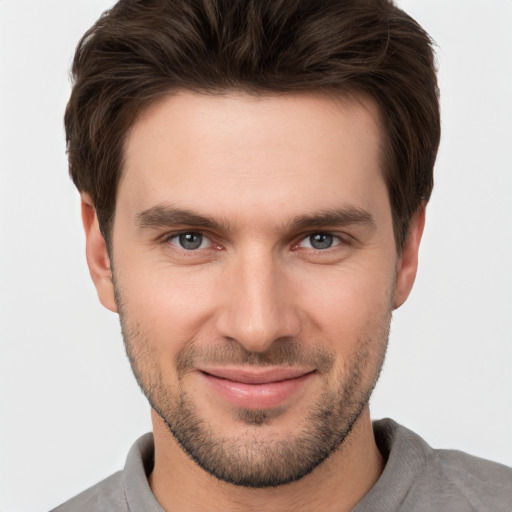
x,y
338,483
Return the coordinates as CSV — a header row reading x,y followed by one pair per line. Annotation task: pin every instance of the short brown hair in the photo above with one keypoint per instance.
x,y
142,49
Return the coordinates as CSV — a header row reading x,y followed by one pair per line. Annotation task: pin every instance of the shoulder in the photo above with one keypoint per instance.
x,y
420,478
482,482
125,490
105,495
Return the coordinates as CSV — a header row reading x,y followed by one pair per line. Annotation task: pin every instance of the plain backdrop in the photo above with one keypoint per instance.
x,y
69,406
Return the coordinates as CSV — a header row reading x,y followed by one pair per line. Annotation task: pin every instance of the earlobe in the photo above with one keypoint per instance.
x,y
97,255
408,261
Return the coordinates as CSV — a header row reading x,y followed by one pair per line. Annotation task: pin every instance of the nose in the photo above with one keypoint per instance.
x,y
259,305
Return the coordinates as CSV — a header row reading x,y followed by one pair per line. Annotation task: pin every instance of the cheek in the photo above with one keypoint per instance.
x,y
353,317
349,305
170,306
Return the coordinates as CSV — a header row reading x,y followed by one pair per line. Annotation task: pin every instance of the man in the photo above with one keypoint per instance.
x,y
254,177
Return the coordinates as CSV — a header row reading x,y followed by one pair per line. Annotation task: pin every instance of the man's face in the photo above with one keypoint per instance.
x,y
255,270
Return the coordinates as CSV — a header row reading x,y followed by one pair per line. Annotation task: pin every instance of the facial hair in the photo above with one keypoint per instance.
x,y
251,459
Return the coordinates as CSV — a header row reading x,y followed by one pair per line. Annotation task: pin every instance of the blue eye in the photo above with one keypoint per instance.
x,y
190,241
320,241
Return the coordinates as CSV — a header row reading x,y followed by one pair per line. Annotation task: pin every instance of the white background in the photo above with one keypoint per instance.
x,y
69,407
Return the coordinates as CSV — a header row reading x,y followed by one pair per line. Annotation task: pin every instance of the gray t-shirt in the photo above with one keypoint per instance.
x,y
416,478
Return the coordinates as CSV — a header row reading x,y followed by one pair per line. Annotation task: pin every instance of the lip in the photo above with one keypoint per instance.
x,y
256,388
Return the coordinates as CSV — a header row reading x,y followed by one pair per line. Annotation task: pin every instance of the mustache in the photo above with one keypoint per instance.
x,y
282,352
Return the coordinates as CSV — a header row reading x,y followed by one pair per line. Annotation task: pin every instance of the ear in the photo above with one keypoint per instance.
x,y
407,264
97,255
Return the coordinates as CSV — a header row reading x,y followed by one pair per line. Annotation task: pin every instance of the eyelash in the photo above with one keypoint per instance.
x,y
337,240
169,237
341,240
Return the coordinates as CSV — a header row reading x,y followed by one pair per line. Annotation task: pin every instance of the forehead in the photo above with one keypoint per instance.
x,y
238,153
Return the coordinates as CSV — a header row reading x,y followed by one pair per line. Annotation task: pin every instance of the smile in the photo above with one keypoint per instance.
x,y
264,389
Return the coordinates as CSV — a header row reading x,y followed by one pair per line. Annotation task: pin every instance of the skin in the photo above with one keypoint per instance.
x,y
255,165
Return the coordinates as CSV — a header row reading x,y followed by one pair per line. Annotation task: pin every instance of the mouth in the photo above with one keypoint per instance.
x,y
263,388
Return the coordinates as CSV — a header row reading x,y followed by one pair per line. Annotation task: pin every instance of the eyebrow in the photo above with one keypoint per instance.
x,y
335,218
163,215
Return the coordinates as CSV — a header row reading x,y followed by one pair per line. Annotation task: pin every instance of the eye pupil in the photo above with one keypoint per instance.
x,y
321,241
190,241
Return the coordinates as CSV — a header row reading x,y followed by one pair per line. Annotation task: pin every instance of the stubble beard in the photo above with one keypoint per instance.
x,y
254,459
